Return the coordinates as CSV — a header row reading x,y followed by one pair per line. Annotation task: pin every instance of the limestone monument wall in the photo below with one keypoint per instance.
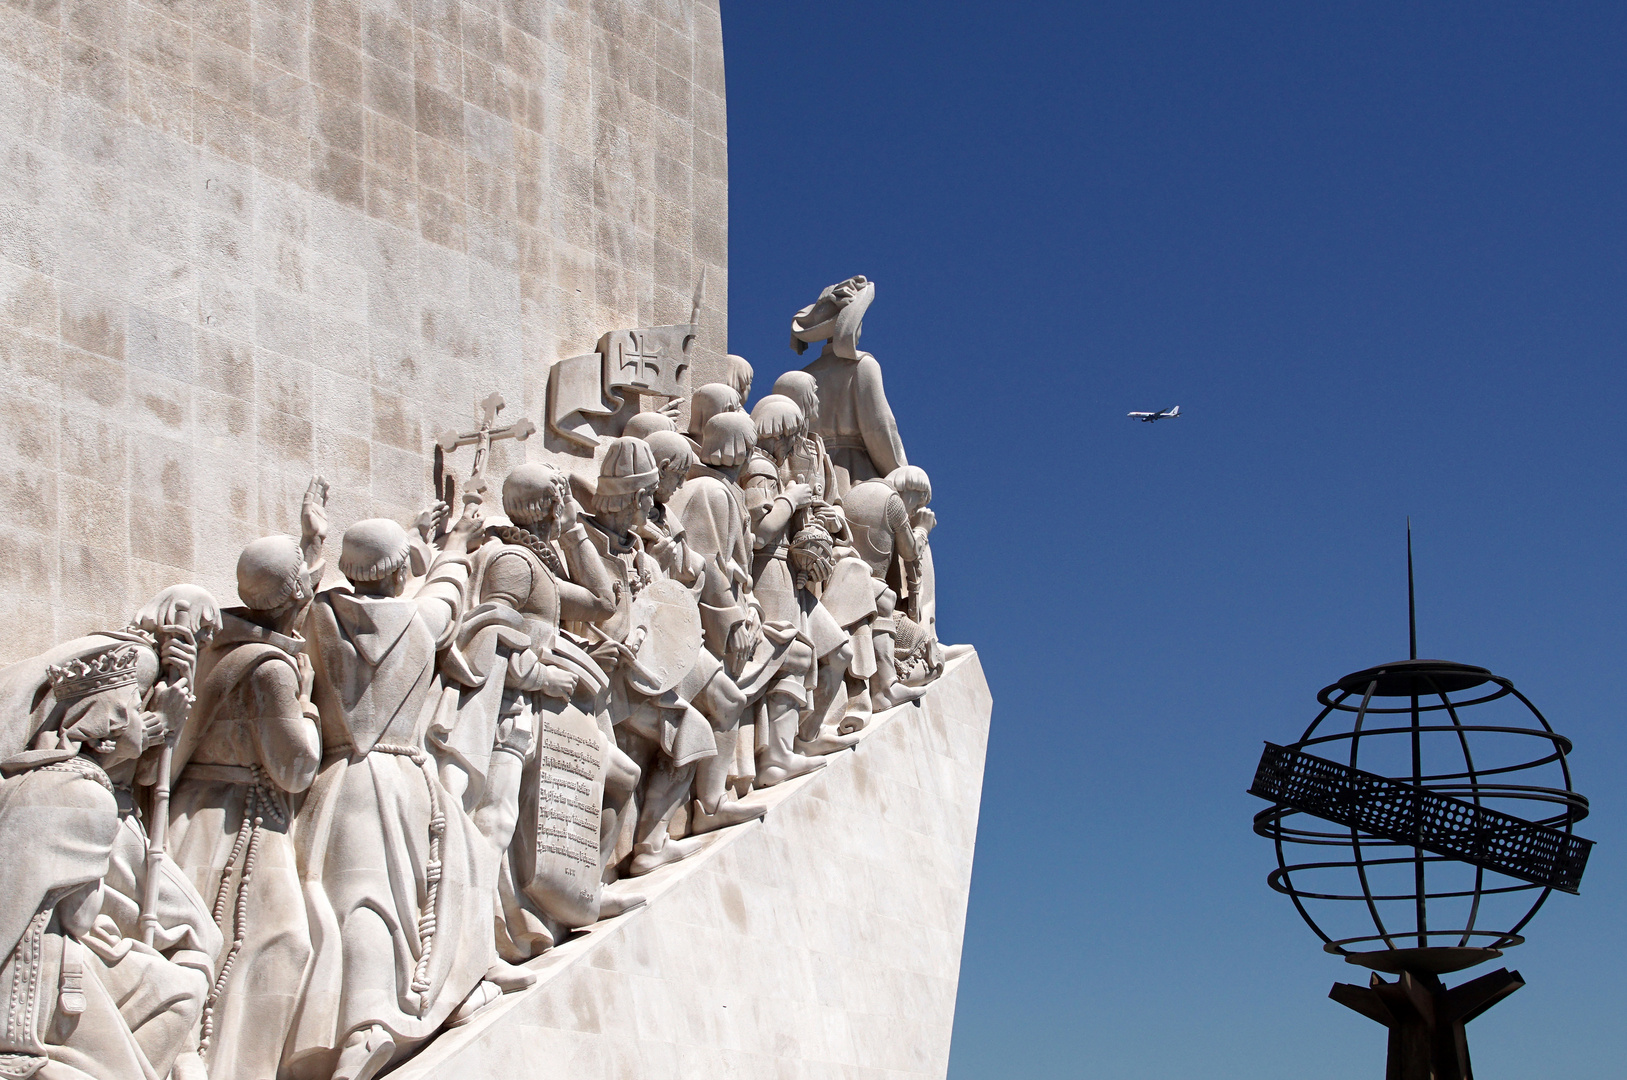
x,y
242,242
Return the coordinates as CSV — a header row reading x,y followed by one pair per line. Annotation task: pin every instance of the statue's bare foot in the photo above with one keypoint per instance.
x,y
826,743
365,1053
612,904
481,996
669,852
729,812
778,771
510,977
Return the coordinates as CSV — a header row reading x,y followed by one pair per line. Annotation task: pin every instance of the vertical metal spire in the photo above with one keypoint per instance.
x,y
1420,891
1412,607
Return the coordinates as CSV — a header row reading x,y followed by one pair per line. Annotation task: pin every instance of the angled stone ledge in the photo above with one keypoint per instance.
x,y
822,941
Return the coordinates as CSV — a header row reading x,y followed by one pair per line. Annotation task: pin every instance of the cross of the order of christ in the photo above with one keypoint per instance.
x,y
648,361
481,439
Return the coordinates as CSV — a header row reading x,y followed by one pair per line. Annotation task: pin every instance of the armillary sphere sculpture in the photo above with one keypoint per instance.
x,y
1420,822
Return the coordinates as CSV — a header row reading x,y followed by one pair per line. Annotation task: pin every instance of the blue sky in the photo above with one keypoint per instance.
x,y
1377,254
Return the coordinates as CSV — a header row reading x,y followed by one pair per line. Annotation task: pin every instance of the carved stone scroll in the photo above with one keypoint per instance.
x,y
566,804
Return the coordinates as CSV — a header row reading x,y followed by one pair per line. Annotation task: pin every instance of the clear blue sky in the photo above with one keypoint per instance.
x,y
1377,253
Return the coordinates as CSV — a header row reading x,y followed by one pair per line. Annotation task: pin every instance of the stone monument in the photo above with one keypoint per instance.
x,y
417,659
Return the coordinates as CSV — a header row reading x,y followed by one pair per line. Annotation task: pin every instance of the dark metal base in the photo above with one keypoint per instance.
x,y
1426,1020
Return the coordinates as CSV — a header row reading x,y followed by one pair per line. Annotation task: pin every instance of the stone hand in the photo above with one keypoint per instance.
x,y
743,639
179,656
799,495
170,702
556,682
671,409
313,511
925,521
565,508
431,519
468,532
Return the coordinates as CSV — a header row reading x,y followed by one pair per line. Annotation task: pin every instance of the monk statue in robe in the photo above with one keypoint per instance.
x,y
710,685
398,879
250,747
855,420
103,976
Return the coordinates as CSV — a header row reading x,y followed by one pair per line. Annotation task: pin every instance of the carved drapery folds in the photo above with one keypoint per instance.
x,y
275,839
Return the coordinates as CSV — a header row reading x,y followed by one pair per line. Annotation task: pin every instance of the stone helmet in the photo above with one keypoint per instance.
x,y
271,573
708,401
373,549
728,439
531,492
776,416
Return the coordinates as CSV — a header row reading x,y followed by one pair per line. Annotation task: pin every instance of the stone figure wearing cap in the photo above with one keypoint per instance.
x,y
80,727
855,419
649,645
533,688
398,879
251,745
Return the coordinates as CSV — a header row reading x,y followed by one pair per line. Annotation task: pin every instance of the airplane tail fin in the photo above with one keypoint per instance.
x,y
1176,411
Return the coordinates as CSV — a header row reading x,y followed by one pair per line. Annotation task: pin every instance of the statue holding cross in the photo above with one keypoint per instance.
x,y
481,439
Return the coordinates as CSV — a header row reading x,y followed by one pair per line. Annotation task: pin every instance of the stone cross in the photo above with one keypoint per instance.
x,y
482,438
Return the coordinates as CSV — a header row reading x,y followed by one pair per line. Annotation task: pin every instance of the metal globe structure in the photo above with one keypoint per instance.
x,y
1445,827
1420,822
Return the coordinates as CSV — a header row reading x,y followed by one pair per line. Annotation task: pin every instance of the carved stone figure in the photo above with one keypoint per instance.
x,y
569,779
104,977
854,418
776,510
649,644
398,879
251,745
710,685
808,461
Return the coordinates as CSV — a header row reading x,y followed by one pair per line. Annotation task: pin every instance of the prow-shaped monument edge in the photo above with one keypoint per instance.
x,y
828,933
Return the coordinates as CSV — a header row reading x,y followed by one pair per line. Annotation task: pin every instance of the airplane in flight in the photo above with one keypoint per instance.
x,y
1149,417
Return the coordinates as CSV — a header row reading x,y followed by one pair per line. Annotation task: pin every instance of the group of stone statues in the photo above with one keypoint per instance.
x,y
298,837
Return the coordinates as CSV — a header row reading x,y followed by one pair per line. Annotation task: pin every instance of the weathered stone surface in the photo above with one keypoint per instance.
x,y
242,242
823,942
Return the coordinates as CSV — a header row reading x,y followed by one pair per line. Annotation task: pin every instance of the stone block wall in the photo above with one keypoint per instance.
x,y
246,240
